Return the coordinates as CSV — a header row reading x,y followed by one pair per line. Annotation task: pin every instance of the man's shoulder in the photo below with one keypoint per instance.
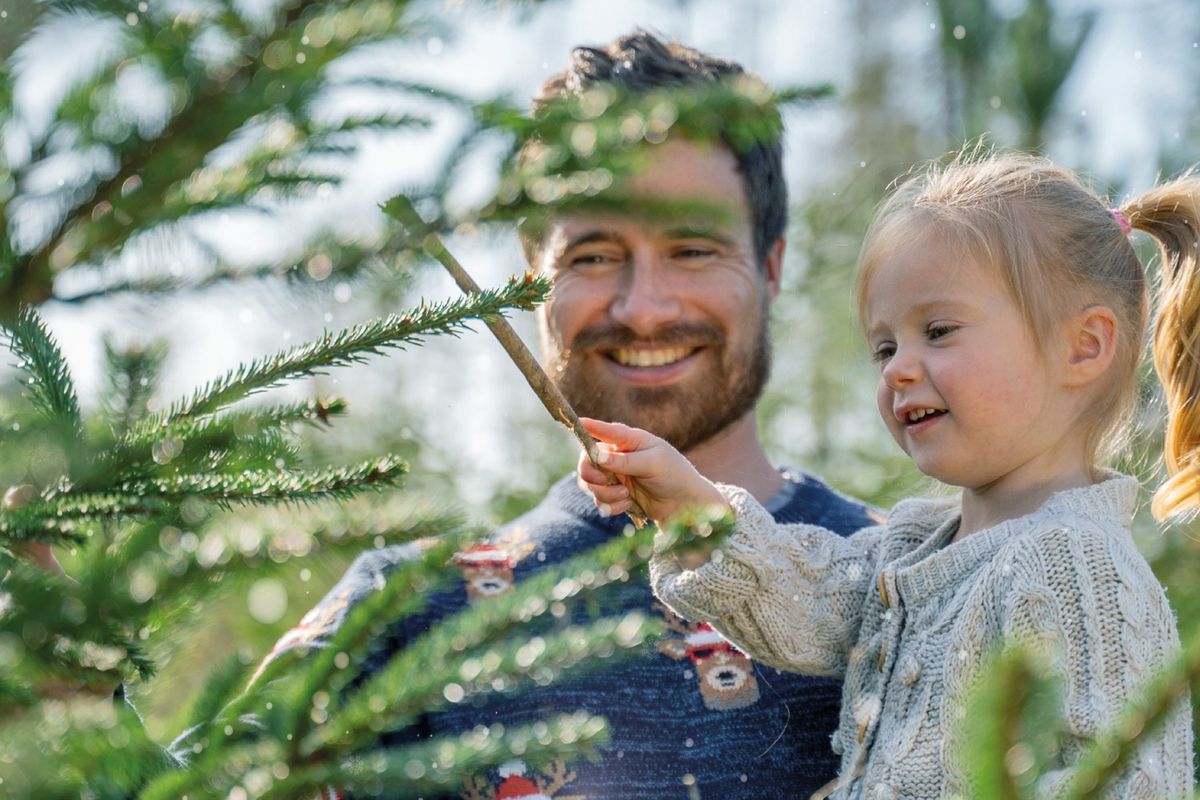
x,y
813,502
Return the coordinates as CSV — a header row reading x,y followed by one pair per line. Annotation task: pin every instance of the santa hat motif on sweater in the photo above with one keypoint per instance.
x,y
487,570
515,784
484,555
724,674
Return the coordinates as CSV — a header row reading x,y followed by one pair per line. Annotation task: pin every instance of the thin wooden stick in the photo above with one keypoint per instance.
x,y
541,384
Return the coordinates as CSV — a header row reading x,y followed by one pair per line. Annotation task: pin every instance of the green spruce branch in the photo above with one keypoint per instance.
x,y
1111,752
354,345
430,768
266,486
48,381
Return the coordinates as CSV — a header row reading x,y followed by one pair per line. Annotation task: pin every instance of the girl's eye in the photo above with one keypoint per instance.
x,y
883,352
938,331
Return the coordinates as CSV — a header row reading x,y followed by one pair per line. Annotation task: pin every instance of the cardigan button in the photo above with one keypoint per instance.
x,y
910,670
883,595
884,792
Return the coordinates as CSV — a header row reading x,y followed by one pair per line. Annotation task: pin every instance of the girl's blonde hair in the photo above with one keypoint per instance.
x,y
1059,249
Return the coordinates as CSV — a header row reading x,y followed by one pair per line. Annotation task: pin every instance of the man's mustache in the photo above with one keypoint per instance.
x,y
689,334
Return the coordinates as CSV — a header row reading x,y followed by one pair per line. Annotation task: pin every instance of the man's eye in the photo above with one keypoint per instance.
x,y
590,260
694,251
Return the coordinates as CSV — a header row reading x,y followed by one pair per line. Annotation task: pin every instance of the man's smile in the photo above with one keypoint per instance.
x,y
649,357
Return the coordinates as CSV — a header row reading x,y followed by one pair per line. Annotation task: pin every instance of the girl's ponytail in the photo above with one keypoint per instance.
x,y
1171,214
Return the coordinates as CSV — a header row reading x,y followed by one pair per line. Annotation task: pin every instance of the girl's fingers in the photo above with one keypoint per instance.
x,y
608,494
633,464
589,473
622,436
612,509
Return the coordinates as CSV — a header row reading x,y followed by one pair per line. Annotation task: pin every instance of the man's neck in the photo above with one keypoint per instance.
x,y
735,455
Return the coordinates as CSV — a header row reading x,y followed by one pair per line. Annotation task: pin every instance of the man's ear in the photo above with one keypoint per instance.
x,y
773,268
1091,344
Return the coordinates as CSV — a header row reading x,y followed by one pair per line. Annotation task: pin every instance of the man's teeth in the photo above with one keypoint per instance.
x,y
921,413
650,358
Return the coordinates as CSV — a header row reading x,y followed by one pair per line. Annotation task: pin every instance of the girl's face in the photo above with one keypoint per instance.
x,y
963,388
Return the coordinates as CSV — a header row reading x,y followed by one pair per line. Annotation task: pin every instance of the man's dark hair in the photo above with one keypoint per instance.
x,y
641,62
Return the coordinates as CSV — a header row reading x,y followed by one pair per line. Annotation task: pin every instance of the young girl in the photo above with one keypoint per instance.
x,y
1005,307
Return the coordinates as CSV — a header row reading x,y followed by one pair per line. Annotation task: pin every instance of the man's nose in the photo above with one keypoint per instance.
x,y
902,369
645,300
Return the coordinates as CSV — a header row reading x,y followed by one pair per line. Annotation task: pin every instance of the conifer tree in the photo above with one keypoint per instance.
x,y
138,501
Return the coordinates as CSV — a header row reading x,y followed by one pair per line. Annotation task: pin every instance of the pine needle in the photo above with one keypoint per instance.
x,y
48,381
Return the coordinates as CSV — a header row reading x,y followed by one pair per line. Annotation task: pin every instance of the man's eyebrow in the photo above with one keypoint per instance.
x,y
590,237
697,232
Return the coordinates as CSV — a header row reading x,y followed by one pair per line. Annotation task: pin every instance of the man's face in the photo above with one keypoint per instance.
x,y
661,323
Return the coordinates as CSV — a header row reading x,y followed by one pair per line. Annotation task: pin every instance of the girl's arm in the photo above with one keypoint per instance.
x,y
789,595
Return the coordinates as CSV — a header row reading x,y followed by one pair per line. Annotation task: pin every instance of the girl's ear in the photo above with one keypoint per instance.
x,y
1091,345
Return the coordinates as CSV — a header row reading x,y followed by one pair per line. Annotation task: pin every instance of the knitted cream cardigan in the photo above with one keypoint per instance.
x,y
909,620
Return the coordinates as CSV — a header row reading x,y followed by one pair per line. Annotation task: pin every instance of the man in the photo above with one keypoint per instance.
x,y
660,323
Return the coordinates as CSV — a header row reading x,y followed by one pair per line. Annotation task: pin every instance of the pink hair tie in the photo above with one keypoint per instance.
x,y
1122,220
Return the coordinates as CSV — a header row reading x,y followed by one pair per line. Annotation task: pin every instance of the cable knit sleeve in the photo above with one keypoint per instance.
x,y
791,596
1086,599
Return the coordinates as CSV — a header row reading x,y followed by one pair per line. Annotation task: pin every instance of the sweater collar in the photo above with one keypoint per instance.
x,y
935,565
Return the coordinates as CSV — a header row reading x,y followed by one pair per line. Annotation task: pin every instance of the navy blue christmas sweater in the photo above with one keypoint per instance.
x,y
691,717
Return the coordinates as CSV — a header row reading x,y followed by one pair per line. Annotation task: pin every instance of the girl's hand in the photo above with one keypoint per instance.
x,y
653,472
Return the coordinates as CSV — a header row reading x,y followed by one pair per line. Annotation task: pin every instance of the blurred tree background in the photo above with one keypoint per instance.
x,y
397,99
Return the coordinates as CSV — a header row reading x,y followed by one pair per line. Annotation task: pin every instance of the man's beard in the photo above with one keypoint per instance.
x,y
687,413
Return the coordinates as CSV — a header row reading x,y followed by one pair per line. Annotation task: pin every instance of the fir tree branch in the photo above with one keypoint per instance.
x,y
83,736
324,259
407,87
131,376
995,735
212,114
1110,753
478,627
57,518
506,665
49,381
377,122
222,685
176,573
446,763
205,441
405,592
264,486
353,345
317,412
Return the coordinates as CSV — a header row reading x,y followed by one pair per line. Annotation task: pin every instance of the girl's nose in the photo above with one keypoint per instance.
x,y
902,369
